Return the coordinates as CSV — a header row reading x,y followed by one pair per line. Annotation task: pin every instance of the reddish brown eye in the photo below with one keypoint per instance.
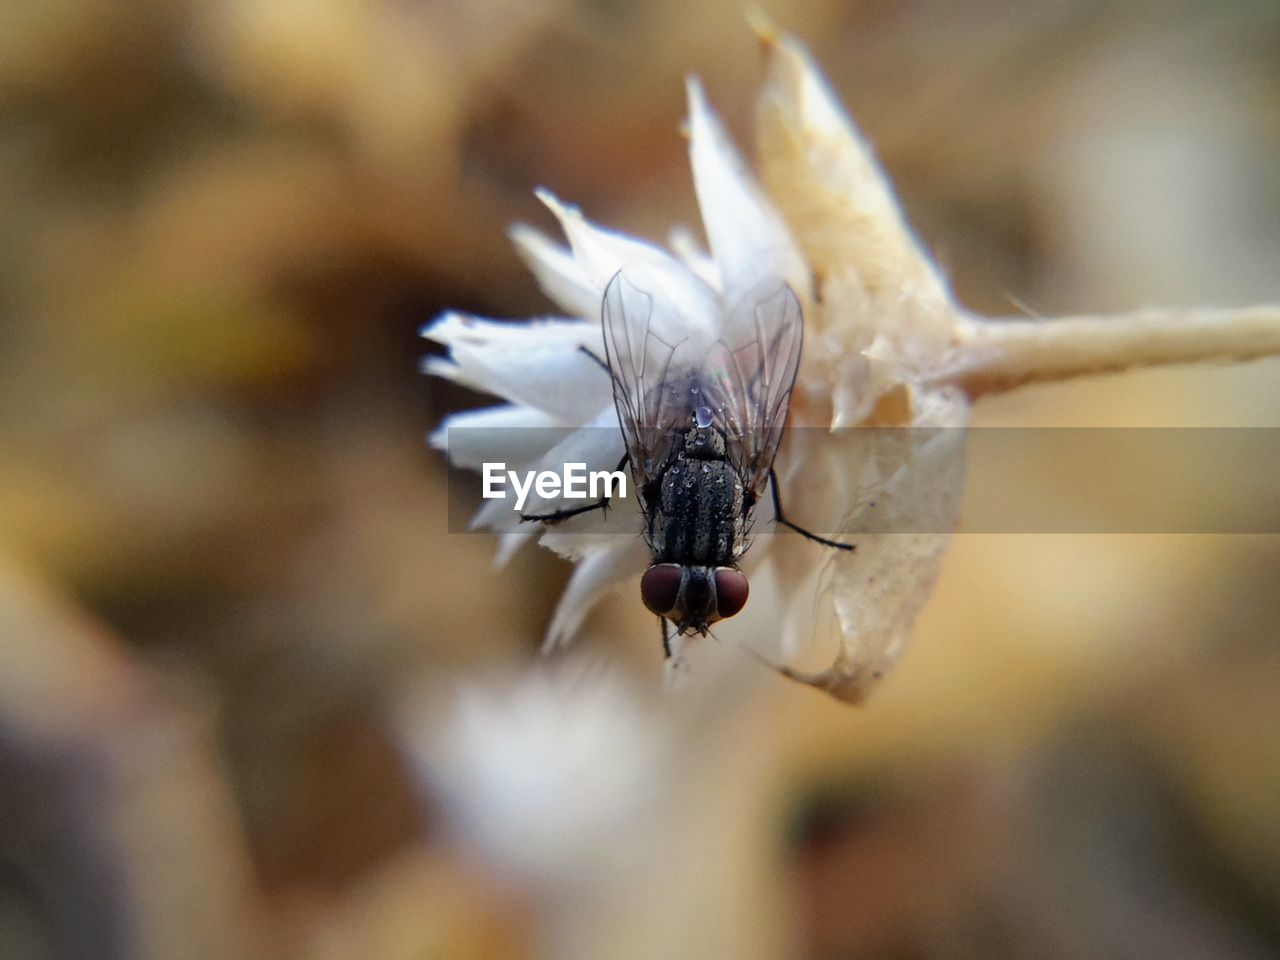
x,y
660,587
731,591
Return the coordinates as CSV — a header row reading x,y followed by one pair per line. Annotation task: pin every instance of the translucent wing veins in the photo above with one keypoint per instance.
x,y
664,378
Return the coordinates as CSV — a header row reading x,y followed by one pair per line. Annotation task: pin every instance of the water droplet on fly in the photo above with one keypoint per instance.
x,y
702,416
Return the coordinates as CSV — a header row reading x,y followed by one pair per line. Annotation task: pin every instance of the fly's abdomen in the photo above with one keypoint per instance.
x,y
699,515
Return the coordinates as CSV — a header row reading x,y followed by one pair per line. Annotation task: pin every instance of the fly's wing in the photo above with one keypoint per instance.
x,y
652,361
749,373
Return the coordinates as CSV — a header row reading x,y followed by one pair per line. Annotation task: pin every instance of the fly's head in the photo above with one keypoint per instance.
x,y
693,597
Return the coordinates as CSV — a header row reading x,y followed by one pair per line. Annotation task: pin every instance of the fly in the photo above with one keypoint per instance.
x,y
702,417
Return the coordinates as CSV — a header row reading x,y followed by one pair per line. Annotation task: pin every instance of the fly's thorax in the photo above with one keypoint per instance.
x,y
699,516
704,443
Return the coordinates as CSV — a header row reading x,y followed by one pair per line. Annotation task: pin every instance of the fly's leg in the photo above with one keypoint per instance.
x,y
603,503
777,510
675,668
603,366
557,515
666,640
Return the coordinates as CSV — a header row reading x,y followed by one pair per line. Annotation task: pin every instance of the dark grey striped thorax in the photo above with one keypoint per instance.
x,y
696,514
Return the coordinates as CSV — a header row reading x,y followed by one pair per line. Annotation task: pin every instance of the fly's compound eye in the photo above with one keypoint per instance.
x,y
660,587
731,591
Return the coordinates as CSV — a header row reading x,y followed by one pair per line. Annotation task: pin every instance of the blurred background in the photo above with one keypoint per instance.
x,y
256,703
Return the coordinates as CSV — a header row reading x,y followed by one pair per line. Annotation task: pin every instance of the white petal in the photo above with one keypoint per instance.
x,y
516,436
559,275
509,544
581,535
603,568
691,254
748,238
536,364
454,329
602,253
500,514
598,445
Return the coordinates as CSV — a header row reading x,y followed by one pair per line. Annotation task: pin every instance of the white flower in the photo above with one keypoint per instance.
x,y
547,776
885,345
551,383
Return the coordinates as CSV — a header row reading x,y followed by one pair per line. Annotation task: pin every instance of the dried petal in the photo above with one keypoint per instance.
x,y
822,175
